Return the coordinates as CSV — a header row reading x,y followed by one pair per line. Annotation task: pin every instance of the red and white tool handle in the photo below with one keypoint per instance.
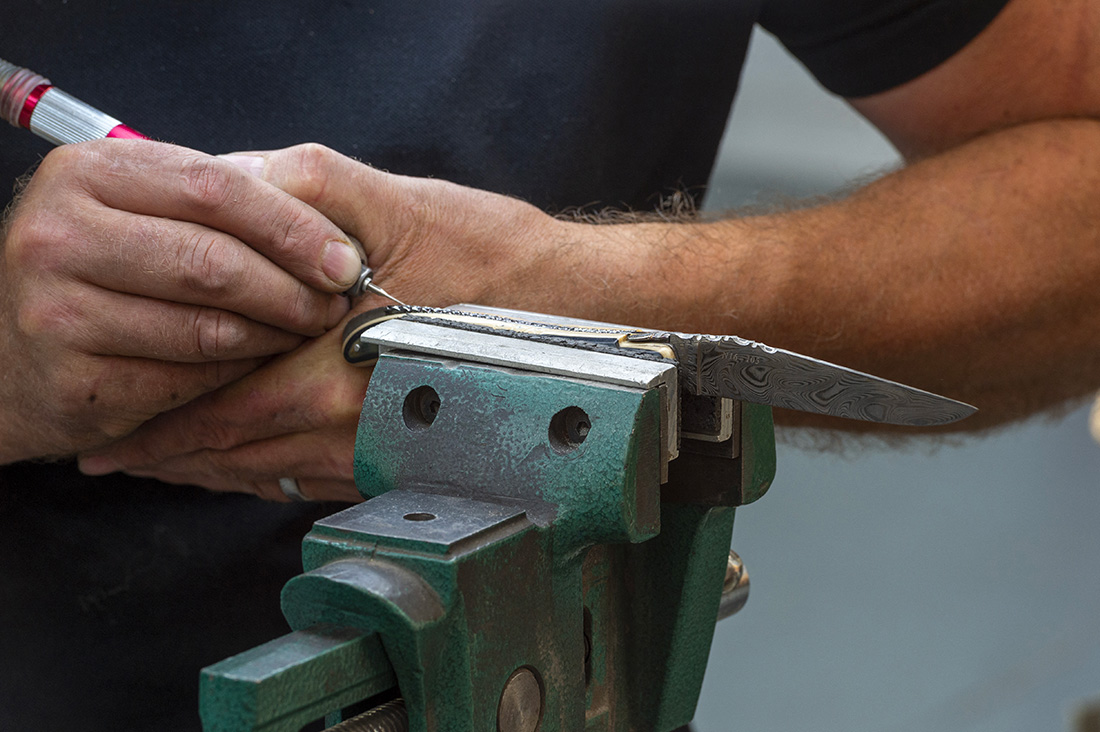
x,y
30,101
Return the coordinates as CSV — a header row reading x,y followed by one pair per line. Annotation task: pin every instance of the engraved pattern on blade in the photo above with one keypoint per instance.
x,y
735,367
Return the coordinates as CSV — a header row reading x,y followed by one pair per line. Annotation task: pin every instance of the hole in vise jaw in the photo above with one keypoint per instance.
x,y
421,407
568,429
419,516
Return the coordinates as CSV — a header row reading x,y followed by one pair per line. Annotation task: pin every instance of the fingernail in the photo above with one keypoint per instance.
x,y
337,309
253,164
97,465
341,263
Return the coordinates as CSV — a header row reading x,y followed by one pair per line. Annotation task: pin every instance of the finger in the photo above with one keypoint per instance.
x,y
109,323
321,463
411,228
303,391
312,489
112,396
325,455
345,190
173,182
381,209
190,263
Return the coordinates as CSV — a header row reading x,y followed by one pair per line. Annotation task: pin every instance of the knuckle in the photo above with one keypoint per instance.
x,y
295,226
23,240
35,241
305,311
117,426
83,165
205,264
313,163
207,184
39,317
63,159
216,334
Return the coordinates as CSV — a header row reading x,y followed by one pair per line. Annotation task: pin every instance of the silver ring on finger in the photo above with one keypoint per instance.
x,y
291,489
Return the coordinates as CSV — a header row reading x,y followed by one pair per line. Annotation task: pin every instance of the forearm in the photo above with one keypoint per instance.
x,y
973,273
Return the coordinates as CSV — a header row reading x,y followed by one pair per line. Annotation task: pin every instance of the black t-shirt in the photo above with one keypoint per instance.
x,y
115,591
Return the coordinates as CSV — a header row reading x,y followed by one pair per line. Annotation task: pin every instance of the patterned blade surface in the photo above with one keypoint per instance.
x,y
726,366
741,369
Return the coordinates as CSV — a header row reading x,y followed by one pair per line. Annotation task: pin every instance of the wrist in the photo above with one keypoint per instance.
x,y
605,272
688,276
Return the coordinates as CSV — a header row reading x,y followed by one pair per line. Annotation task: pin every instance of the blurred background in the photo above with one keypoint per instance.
x,y
940,588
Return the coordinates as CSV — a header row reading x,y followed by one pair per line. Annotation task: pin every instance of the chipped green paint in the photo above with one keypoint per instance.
x,y
491,435
283,685
758,451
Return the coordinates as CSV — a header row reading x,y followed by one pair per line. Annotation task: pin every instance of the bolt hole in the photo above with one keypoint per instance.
x,y
421,408
420,516
569,428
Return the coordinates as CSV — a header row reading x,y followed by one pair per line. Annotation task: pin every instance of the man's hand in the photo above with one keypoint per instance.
x,y
430,243
136,276
294,417
959,274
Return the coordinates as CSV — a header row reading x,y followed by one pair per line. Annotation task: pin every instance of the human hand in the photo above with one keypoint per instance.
x,y
294,416
136,276
430,243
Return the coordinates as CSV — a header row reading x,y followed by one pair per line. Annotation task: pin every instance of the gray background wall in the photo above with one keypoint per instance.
x,y
950,588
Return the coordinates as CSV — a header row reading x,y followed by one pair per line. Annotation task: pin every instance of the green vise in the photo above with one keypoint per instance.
x,y
545,547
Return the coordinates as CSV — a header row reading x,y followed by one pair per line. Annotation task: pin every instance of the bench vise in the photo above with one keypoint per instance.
x,y
545,544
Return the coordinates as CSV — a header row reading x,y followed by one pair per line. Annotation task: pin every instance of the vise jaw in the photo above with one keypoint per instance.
x,y
544,546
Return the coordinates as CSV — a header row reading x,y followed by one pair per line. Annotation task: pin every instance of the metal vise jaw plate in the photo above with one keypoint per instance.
x,y
545,358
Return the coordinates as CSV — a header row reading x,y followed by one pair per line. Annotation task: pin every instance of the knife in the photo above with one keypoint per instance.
x,y
708,365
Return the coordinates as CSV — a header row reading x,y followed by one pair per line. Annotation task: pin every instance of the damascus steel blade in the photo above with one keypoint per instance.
x,y
733,367
708,365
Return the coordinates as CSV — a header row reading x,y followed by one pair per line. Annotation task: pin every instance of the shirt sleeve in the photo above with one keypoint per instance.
x,y
861,47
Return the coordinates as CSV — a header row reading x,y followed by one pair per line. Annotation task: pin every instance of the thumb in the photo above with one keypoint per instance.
x,y
359,199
